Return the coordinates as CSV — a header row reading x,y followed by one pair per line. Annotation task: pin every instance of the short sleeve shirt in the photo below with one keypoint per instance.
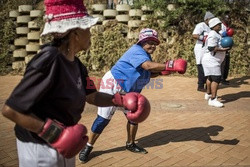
x,y
215,58
52,87
201,29
223,28
128,71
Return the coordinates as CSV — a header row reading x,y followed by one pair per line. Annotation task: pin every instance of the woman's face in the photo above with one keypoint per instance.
x,y
217,28
84,38
149,46
227,20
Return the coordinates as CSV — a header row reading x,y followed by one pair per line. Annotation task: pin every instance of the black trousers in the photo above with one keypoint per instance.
x,y
225,66
201,78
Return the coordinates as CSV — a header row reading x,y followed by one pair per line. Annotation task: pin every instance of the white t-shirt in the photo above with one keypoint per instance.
x,y
223,28
212,60
200,29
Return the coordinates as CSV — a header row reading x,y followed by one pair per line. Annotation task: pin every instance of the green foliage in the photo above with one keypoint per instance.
x,y
7,31
108,45
183,19
175,33
7,34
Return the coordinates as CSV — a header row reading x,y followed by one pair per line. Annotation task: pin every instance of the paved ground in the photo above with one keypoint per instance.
x,y
182,130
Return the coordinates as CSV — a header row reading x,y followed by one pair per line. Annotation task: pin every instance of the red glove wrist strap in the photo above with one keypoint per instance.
x,y
117,99
169,64
51,131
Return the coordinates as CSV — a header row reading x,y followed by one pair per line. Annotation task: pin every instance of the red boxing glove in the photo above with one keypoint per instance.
x,y
68,141
137,104
204,39
178,65
230,32
165,72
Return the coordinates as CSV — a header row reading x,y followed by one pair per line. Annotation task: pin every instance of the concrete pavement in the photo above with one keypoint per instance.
x,y
182,130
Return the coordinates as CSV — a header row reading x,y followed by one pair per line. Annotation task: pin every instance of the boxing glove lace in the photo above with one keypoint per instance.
x,y
178,65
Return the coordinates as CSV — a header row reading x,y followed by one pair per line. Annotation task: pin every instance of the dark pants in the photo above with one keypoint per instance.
x,y
201,77
225,66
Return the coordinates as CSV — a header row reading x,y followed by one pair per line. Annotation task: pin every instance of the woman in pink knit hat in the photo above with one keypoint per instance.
x,y
47,104
130,74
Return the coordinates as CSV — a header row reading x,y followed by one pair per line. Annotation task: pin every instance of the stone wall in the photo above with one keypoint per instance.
x,y
27,43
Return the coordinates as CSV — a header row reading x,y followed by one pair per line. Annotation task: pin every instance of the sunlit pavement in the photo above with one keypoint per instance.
x,y
181,130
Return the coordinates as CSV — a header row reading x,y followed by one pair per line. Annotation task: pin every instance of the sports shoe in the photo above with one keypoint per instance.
x,y
224,82
201,89
207,96
84,153
215,103
136,149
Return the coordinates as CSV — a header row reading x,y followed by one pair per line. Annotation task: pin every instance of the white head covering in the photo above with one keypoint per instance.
x,y
208,15
64,15
213,22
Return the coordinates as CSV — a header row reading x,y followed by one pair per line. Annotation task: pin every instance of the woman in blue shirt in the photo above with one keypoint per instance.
x,y
130,74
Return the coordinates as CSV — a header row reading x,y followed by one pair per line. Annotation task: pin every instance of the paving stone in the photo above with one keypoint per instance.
x,y
246,161
231,161
182,130
217,161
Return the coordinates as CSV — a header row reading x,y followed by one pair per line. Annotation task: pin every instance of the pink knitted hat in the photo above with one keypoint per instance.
x,y
63,15
147,34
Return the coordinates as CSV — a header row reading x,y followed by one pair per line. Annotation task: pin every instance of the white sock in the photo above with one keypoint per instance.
x,y
88,144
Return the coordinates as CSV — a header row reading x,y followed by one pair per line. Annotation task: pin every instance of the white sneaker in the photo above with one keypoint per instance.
x,y
215,103
207,96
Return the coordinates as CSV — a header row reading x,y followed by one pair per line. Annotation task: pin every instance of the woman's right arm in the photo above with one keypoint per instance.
x,y
28,122
153,66
196,36
100,99
217,49
221,49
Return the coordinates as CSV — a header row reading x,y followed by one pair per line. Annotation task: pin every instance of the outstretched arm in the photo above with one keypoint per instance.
x,y
100,99
229,142
216,49
178,65
153,66
137,105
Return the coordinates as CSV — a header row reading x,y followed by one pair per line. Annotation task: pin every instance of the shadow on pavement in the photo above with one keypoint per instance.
x,y
236,82
180,135
177,135
234,96
98,153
